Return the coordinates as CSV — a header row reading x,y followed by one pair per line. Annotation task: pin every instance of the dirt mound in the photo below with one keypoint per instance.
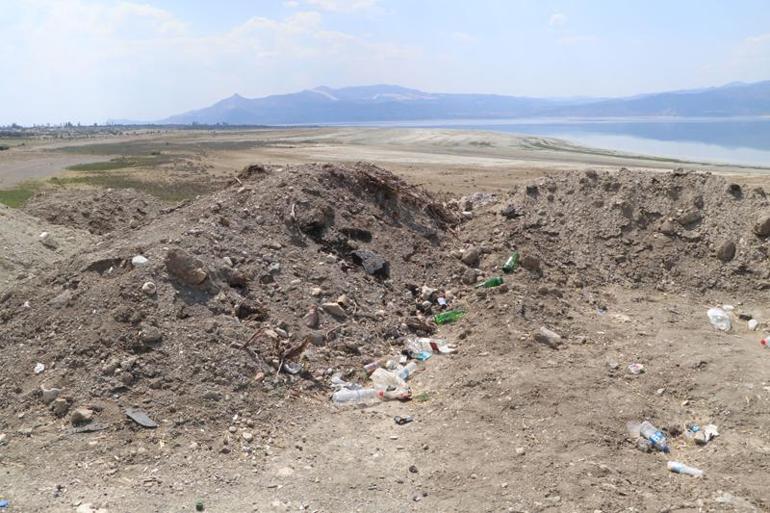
x,y
678,230
23,252
219,297
100,212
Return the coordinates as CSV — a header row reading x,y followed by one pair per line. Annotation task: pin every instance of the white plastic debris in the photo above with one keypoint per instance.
x,y
719,319
39,368
753,324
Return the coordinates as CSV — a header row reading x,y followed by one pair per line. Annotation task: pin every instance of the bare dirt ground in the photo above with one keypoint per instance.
x,y
625,266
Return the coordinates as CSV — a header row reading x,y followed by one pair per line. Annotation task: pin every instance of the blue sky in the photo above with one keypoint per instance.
x,y
91,60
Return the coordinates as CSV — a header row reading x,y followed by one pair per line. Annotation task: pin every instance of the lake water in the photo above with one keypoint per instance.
x,y
744,141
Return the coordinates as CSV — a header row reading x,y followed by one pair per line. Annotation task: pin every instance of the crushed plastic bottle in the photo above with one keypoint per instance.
x,y
719,318
383,379
363,395
448,317
650,433
681,468
426,344
407,371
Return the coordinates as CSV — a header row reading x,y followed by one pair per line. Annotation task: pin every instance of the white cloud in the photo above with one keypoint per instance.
x,y
760,39
463,37
342,5
135,61
557,19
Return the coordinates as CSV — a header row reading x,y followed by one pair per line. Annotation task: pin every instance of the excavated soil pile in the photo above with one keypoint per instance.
x,y
677,230
101,212
271,284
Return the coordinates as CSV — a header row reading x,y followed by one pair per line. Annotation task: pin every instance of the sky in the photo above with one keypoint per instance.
x,y
93,60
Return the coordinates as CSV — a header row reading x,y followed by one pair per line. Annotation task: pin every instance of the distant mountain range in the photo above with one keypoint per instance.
x,y
394,103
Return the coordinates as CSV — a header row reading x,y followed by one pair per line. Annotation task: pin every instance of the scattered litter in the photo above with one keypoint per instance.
x,y
4,503
292,367
765,342
495,281
650,433
39,368
140,417
703,435
512,263
448,317
366,395
636,368
753,324
199,505
681,468
423,355
719,318
93,427
403,420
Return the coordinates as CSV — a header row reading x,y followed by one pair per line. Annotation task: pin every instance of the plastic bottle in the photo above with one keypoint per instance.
x,y
383,379
681,468
655,436
512,263
719,319
407,371
448,316
495,281
362,395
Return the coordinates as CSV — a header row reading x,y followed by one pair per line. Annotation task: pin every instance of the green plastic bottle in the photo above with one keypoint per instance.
x,y
512,263
448,316
495,281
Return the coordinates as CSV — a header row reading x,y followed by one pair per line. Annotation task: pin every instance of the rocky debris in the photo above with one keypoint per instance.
x,y
60,407
762,226
49,394
548,337
334,309
726,251
139,261
531,263
311,318
510,211
81,416
689,218
47,240
372,263
471,257
149,288
185,268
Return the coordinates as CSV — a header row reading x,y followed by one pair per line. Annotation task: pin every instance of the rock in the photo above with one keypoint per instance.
x,y
60,407
311,317
186,268
762,226
667,228
151,334
548,337
47,240
726,251
426,293
3,439
81,416
247,437
753,324
62,300
139,261
274,268
469,277
316,292
520,451
689,218
149,288
317,339
471,257
39,368
530,263
510,212
335,310
372,263
49,394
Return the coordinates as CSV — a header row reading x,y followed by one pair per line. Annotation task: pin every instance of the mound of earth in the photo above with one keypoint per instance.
x,y
219,313
99,212
23,252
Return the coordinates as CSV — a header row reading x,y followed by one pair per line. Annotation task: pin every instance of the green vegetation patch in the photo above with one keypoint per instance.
x,y
17,196
154,159
161,190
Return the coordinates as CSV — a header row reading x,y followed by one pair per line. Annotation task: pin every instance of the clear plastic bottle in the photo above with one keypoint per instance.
x,y
362,395
681,468
407,371
654,435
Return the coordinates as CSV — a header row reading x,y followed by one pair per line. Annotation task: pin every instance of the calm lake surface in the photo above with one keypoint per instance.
x,y
744,141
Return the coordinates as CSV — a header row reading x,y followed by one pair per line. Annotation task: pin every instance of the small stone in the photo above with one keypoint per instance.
x,y
274,268
530,263
3,438
548,337
413,469
139,261
186,268
60,407
471,257
372,263
39,368
81,416
232,429
311,318
726,251
689,218
753,324
149,288
49,394
47,240
334,309
762,226
469,277
247,437
151,334
520,451
317,291
668,228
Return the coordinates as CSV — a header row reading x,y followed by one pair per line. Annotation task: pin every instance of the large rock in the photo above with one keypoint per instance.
x,y
372,263
531,264
726,251
762,226
184,267
548,337
471,257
